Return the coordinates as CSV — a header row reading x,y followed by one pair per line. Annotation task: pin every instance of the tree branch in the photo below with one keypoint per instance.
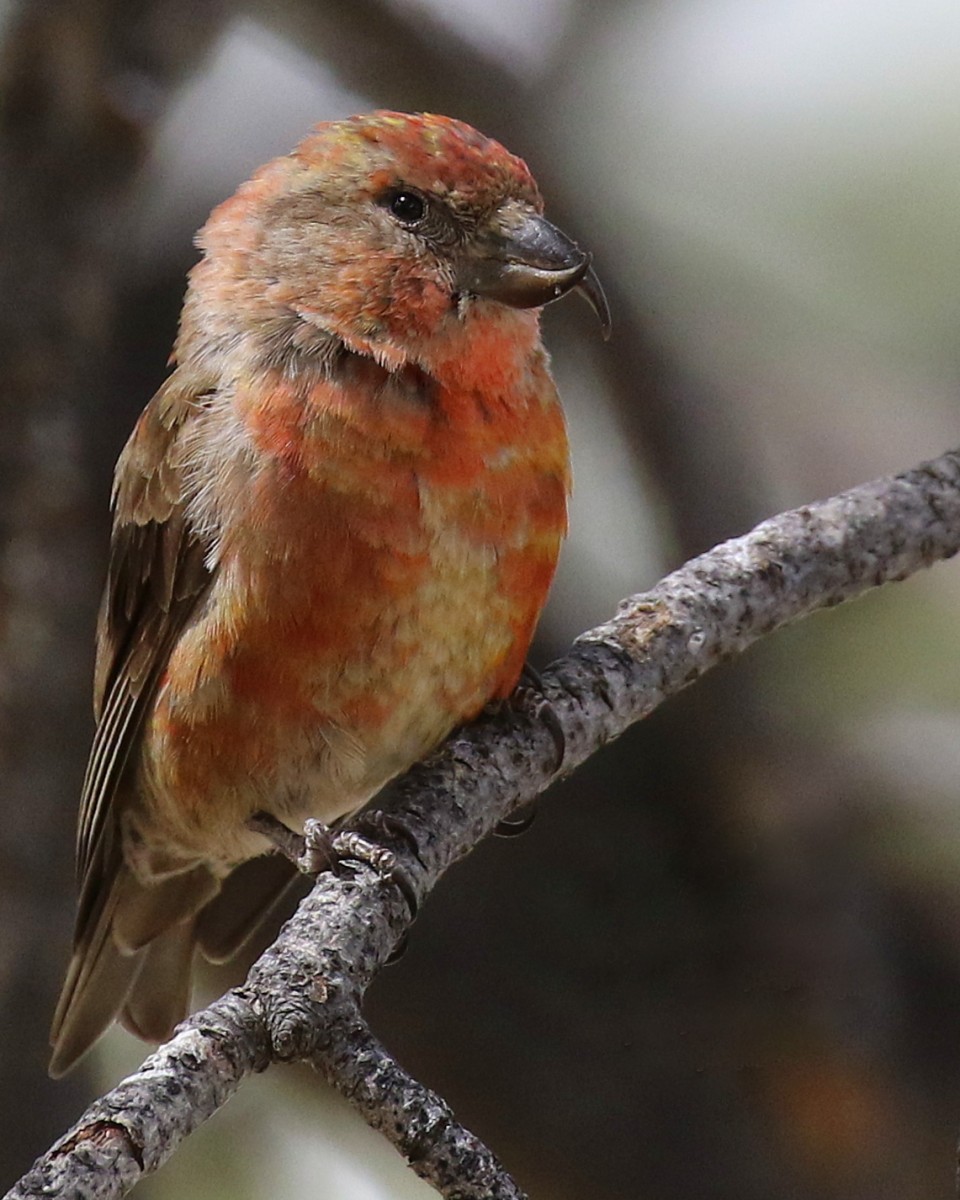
x,y
301,999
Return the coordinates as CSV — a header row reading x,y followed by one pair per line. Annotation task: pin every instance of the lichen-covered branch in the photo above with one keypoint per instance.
x,y
301,999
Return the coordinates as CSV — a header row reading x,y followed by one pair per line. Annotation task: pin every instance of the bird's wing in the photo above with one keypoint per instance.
x,y
156,575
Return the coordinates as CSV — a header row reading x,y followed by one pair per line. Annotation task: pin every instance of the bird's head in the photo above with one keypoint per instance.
x,y
388,231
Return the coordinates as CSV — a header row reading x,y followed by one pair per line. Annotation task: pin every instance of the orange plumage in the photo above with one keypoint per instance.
x,y
335,528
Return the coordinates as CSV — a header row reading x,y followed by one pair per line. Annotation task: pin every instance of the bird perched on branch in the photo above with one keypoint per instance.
x,y
334,530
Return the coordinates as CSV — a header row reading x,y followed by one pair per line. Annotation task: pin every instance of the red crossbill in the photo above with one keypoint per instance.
x,y
334,530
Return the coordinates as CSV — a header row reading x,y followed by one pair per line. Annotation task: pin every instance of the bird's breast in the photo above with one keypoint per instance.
x,y
382,563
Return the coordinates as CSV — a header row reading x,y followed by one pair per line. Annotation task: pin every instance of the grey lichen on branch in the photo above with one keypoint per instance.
x,y
302,998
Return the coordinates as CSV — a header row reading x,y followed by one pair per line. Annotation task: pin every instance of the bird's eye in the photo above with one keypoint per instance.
x,y
408,207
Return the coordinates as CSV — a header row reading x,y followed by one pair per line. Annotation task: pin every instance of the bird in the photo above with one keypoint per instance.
x,y
334,529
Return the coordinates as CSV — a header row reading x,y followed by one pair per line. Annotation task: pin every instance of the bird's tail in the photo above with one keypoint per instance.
x,y
131,961
134,953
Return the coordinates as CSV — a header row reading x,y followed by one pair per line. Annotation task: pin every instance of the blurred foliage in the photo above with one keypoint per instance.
x,y
726,960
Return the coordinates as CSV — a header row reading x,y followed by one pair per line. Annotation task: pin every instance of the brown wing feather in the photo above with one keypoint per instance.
x,y
156,576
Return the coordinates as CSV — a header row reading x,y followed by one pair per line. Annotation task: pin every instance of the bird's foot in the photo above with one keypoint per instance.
x,y
530,678
379,824
290,844
528,697
513,828
328,849
321,848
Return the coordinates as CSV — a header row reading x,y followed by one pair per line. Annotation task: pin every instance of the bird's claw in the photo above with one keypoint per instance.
x,y
545,712
529,696
530,679
510,829
349,845
382,824
323,849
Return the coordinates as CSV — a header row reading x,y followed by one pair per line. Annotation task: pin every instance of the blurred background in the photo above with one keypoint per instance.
x,y
725,961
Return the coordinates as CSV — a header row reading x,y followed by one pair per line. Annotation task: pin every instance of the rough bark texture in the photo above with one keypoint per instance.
x,y
301,999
